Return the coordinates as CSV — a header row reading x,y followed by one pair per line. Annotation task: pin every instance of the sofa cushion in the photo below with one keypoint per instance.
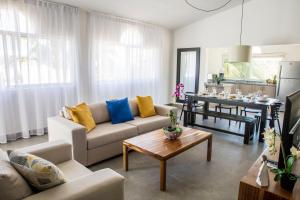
x,y
119,110
38,172
12,184
82,114
134,107
99,112
146,106
150,123
73,170
106,133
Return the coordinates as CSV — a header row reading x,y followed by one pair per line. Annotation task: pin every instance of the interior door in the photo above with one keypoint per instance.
x,y
188,67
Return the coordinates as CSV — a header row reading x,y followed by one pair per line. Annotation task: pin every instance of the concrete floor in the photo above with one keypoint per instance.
x,y
189,175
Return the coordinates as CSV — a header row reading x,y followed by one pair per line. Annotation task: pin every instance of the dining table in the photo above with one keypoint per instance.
x,y
252,103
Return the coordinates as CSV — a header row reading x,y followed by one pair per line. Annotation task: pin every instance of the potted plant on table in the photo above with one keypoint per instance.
x,y
173,131
218,78
285,176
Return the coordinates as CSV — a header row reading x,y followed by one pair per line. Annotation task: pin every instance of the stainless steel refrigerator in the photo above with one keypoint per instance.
x,y
289,79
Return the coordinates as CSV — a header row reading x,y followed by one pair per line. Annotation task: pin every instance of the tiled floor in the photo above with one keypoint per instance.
x,y
189,175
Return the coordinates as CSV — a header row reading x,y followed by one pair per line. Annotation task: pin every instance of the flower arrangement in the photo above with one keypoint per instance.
x,y
285,176
178,90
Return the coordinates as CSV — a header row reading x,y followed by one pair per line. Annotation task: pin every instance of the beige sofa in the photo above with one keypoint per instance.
x,y
105,140
81,182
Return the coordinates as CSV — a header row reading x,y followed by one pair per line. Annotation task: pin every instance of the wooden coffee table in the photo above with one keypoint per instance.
x,y
156,144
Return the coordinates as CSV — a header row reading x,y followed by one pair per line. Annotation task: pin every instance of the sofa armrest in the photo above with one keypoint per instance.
x,y
164,110
56,152
60,128
103,184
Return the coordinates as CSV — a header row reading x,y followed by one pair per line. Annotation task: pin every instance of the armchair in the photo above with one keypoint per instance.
x,y
81,182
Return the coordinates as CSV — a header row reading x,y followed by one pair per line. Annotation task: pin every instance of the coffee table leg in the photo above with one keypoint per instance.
x,y
209,148
163,166
125,157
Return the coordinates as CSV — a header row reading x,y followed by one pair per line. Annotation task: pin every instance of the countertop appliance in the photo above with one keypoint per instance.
x,y
289,79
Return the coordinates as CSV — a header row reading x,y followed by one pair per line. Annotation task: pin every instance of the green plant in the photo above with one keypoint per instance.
x,y
217,78
286,171
173,118
270,138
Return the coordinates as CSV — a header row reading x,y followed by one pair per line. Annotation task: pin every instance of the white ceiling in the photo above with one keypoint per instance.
x,y
171,14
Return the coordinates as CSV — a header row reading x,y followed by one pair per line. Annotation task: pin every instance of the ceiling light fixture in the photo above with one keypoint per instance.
x,y
240,53
207,10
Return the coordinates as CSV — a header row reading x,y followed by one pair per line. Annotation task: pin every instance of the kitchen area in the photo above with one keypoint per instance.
x,y
252,93
274,71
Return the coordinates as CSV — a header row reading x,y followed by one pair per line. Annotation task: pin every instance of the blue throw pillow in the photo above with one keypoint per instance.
x,y
119,110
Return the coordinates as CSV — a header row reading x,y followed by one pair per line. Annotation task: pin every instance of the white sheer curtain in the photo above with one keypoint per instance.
x,y
38,64
127,59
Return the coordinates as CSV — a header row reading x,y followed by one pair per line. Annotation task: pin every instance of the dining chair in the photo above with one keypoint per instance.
x,y
185,103
253,111
274,115
226,107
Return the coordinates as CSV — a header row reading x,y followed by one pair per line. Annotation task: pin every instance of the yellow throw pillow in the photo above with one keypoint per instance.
x,y
82,114
145,105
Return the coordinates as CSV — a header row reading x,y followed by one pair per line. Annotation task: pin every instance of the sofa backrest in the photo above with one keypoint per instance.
x,y
100,112
134,107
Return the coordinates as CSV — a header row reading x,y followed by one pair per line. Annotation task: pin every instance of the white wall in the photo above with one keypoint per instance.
x,y
288,52
266,22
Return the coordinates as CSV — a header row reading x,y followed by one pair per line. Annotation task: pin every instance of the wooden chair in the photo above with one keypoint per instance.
x,y
253,111
274,115
185,103
226,107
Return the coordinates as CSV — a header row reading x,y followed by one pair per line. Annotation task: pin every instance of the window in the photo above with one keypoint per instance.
x,y
38,64
126,59
24,61
260,69
28,54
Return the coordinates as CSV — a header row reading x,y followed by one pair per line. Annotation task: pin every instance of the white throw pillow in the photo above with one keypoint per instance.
x,y
66,112
61,113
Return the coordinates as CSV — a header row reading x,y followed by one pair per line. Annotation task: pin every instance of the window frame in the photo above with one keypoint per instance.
x,y
7,84
263,55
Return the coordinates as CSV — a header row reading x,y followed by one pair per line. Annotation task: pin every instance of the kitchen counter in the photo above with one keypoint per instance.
x,y
243,82
245,87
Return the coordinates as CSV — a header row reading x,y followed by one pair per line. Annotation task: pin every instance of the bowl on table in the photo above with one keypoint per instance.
x,y
263,98
172,134
232,96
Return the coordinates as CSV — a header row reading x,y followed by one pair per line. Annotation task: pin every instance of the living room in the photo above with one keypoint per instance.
x,y
140,99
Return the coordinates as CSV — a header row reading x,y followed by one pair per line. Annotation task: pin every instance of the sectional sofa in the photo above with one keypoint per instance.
x,y
105,141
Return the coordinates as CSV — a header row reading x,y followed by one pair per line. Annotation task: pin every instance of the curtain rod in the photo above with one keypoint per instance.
x,y
107,14
53,2
124,18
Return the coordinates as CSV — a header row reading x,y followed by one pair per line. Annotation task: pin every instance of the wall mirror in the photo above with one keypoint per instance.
x,y
188,67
